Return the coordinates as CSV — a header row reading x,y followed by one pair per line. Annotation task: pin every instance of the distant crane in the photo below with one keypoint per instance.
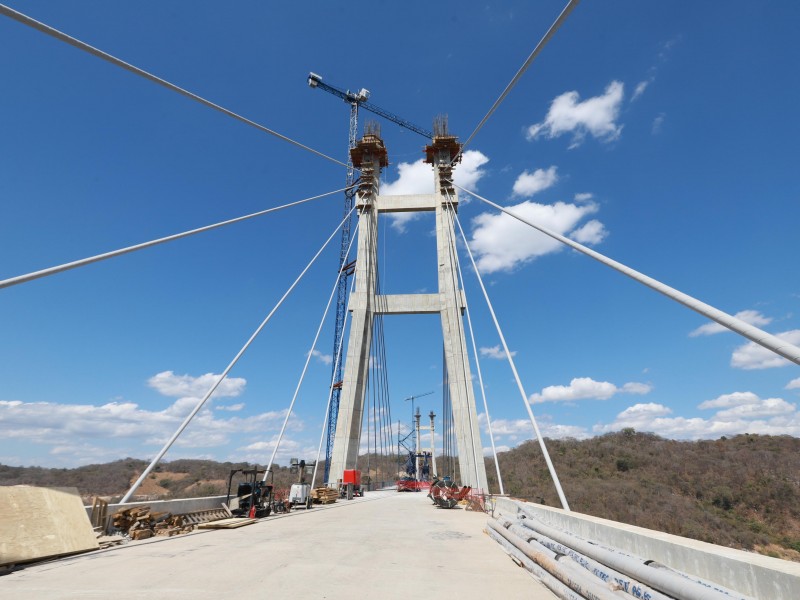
x,y
413,398
355,100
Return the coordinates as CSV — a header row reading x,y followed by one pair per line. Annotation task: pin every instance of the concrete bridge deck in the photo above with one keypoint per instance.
x,y
387,545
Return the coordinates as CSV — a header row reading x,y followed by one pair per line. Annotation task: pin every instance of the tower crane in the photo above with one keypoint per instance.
x,y
355,100
413,398
360,99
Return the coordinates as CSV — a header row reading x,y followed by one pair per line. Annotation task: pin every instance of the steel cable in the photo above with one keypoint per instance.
x,y
100,257
59,35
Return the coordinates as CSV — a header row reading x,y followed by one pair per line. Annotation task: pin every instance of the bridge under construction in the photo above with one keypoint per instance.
x,y
391,544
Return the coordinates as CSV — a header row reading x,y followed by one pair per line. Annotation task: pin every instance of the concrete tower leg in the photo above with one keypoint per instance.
x,y
369,155
465,419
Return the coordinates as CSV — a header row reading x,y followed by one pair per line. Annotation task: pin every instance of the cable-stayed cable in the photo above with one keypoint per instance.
x,y
99,257
227,370
551,468
59,35
760,337
550,33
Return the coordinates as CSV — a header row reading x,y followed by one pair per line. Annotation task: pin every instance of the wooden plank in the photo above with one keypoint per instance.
x,y
227,523
38,523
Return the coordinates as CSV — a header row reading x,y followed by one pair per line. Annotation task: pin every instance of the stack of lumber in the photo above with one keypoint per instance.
x,y
324,495
140,523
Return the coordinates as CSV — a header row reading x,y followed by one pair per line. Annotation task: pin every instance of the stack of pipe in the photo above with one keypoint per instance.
x,y
578,569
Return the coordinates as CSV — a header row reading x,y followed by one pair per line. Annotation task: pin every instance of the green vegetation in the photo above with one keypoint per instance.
x,y
742,491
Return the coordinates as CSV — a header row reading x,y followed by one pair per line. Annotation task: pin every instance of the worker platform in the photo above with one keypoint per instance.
x,y
386,544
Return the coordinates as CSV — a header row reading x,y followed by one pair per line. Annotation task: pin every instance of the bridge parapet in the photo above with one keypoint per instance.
x,y
748,573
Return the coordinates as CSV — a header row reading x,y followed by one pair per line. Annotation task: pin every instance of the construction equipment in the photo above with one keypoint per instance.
x,y
360,98
253,496
300,492
446,493
355,100
351,484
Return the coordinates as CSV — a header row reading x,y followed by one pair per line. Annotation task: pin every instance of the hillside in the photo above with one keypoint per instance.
x,y
742,492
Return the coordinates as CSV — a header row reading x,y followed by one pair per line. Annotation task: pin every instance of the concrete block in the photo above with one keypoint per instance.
x,y
38,523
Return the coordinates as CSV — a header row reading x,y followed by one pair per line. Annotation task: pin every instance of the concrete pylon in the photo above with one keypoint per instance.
x,y
370,156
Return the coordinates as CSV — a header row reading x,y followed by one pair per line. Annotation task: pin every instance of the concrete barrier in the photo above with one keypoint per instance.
x,y
746,572
176,507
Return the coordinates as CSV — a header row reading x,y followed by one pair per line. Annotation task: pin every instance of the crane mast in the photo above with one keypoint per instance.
x,y
355,100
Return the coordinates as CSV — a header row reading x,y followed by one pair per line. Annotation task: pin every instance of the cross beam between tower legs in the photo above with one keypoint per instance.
x,y
366,303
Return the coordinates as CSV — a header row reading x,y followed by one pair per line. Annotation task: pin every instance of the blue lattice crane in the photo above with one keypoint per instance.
x,y
355,100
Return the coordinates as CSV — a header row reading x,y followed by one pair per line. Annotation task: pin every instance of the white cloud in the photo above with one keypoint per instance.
x,y
743,412
729,400
495,352
528,184
323,358
583,388
583,197
502,243
658,123
593,232
413,178
231,407
176,386
596,116
70,431
640,88
752,317
417,178
469,171
794,384
752,356
487,450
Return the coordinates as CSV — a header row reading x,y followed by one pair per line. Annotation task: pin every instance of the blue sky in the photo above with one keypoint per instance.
x,y
664,135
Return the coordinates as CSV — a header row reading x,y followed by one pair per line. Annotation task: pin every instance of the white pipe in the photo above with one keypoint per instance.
x,y
669,582
544,576
550,467
596,568
227,370
567,571
760,337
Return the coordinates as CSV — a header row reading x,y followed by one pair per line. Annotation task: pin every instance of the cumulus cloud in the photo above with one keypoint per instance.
x,y
417,178
502,243
176,386
752,317
593,232
794,384
752,356
596,116
231,407
584,388
742,412
496,352
323,358
69,431
729,400
528,184
583,197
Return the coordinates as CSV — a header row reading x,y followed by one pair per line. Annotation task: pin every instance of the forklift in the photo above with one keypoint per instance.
x,y
253,496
